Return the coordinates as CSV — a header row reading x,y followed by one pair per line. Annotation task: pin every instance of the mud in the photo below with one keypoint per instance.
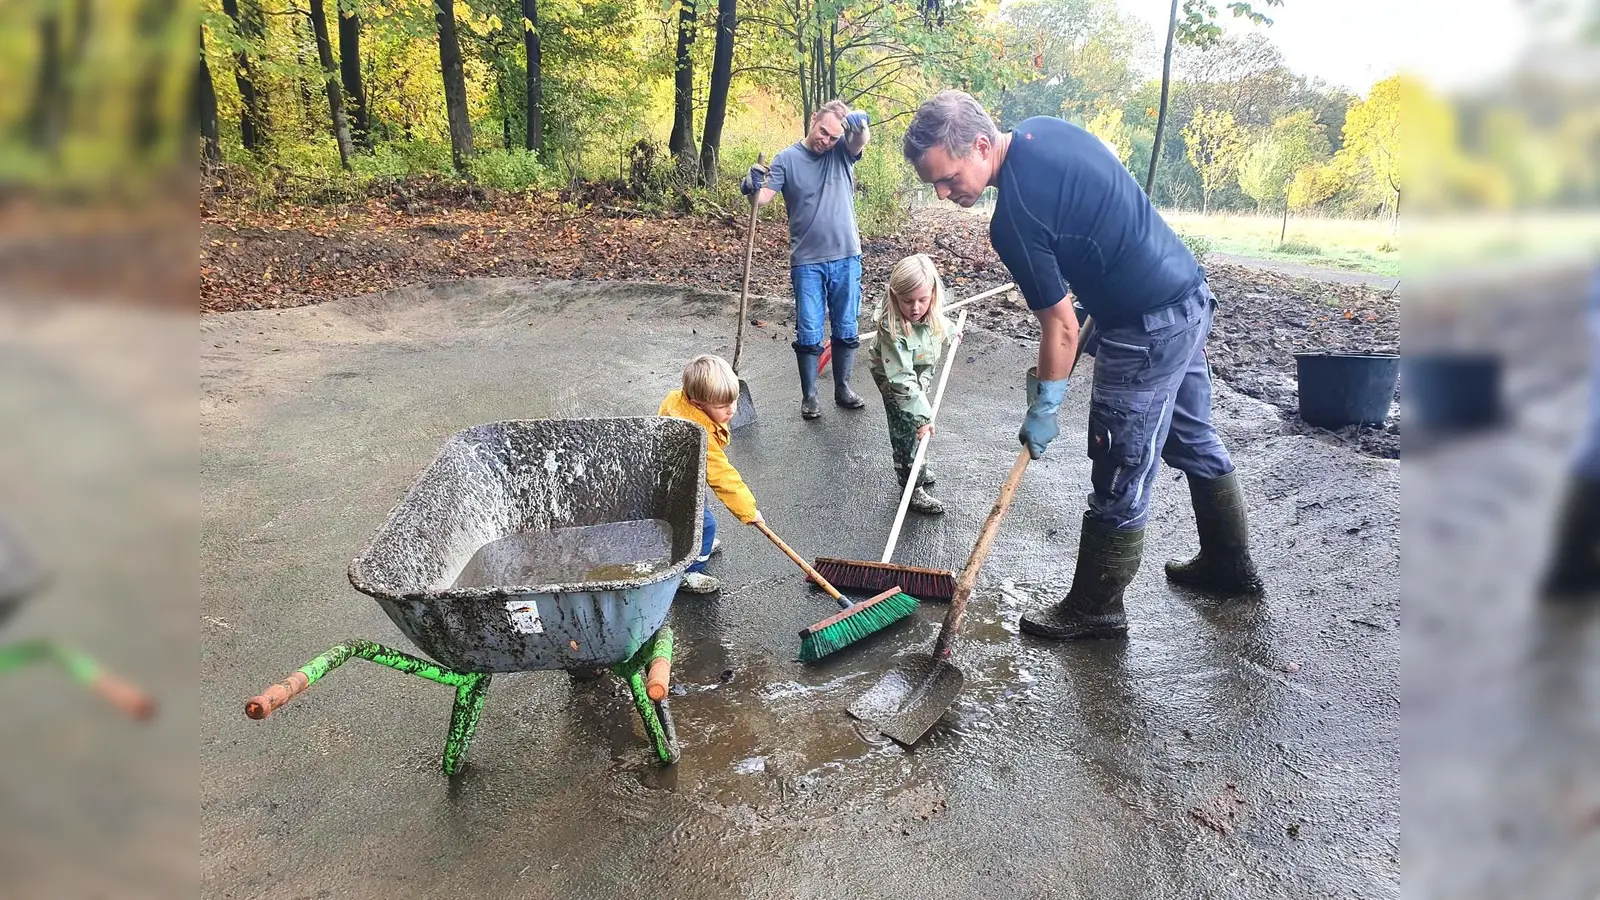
x,y
1085,770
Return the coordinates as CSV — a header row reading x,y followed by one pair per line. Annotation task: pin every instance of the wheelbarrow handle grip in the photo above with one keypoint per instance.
x,y
804,566
131,701
657,678
270,700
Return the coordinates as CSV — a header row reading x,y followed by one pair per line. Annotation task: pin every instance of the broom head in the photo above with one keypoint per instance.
x,y
859,621
859,575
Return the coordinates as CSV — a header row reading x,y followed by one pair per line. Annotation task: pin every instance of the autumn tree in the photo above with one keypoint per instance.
x,y
1295,142
1214,142
1372,138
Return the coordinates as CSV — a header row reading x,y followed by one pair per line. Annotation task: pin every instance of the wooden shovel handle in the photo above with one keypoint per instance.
x,y
805,566
980,552
749,254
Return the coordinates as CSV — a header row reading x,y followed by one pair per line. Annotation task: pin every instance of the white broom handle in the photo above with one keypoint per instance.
x,y
922,442
958,304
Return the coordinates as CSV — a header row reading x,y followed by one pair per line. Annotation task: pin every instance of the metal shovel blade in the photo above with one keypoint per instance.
x,y
906,702
745,413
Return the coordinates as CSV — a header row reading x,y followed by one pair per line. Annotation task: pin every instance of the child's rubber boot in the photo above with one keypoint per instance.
x,y
699,583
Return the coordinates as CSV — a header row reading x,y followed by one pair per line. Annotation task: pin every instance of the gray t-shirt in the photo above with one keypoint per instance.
x,y
818,190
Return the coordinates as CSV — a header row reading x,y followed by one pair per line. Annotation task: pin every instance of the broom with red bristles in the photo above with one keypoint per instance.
x,y
925,584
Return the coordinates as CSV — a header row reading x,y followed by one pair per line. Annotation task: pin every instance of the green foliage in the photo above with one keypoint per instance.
x,y
1201,247
1299,248
404,159
509,170
1270,165
883,189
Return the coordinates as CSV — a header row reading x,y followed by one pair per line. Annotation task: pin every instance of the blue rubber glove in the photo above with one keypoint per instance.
x,y
754,181
1039,428
855,121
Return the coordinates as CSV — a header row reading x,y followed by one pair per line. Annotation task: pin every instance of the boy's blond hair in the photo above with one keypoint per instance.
x,y
709,379
914,272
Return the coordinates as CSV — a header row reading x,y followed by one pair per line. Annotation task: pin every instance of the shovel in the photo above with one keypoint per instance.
x,y
745,412
921,687
906,702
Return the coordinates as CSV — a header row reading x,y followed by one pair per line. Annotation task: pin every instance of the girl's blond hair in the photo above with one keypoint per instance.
x,y
709,379
914,272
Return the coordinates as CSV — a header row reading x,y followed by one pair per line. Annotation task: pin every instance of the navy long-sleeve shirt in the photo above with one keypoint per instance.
x,y
1068,213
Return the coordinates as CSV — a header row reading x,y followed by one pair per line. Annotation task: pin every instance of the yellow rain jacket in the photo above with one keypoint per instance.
x,y
720,474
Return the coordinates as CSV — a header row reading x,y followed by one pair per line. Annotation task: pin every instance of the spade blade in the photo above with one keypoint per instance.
x,y
912,696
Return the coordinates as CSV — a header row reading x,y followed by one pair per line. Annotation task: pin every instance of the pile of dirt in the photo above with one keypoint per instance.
x,y
400,234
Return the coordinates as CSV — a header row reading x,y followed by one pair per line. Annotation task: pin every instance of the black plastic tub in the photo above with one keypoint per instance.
x,y
1342,389
1448,392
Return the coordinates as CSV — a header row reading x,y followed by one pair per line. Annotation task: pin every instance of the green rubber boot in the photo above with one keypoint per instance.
x,y
1107,561
1223,565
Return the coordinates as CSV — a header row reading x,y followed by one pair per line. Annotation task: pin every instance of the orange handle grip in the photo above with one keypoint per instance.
x,y
132,702
269,700
657,677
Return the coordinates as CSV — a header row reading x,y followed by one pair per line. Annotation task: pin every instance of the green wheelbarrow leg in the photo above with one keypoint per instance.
x,y
125,697
656,715
470,690
464,720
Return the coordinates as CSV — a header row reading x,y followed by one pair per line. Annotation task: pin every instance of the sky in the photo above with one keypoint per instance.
x,y
1353,43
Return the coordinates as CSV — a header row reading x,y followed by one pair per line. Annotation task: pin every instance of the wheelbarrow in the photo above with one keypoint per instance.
x,y
21,577
534,545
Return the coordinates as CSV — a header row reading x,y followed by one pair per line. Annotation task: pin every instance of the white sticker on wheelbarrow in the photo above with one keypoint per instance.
x,y
525,617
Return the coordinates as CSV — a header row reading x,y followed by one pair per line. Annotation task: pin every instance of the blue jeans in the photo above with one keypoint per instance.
x,y
831,288
1587,464
708,536
1151,402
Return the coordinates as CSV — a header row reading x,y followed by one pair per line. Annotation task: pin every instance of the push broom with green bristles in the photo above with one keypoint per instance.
x,y
861,575
852,623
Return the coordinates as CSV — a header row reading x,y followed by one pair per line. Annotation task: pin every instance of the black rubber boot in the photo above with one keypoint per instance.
x,y
808,359
1107,561
1223,565
844,361
1574,573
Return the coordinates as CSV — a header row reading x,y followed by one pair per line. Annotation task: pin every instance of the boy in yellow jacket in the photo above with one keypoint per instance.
x,y
709,395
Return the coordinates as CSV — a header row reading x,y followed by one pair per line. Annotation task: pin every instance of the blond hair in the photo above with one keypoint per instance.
x,y
831,108
910,274
709,379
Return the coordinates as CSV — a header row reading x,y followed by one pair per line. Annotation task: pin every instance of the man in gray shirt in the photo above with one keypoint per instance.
x,y
815,176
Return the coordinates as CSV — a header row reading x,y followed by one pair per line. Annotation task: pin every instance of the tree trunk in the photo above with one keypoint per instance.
x,y
206,108
721,79
153,17
455,84
305,85
500,77
330,82
45,119
350,76
1394,214
253,112
534,139
681,142
1205,202
1166,86
1283,233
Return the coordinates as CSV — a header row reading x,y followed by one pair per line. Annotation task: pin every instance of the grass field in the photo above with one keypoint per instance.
x,y
1357,245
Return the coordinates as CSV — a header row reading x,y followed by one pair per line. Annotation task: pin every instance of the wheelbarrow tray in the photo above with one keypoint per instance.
x,y
607,476
20,574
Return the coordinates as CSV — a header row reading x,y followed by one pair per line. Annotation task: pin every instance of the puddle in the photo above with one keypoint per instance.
x,y
616,551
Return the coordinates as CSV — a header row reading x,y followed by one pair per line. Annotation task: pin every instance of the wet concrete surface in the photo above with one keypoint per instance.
x,y
1502,690
1244,750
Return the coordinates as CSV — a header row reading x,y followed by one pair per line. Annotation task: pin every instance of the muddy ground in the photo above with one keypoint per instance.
x,y
424,233
1236,750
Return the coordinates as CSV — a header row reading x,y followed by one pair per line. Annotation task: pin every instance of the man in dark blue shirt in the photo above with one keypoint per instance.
x,y
1068,213
1573,574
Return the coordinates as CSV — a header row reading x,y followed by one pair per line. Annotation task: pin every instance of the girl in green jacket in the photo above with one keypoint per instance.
x,y
911,334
